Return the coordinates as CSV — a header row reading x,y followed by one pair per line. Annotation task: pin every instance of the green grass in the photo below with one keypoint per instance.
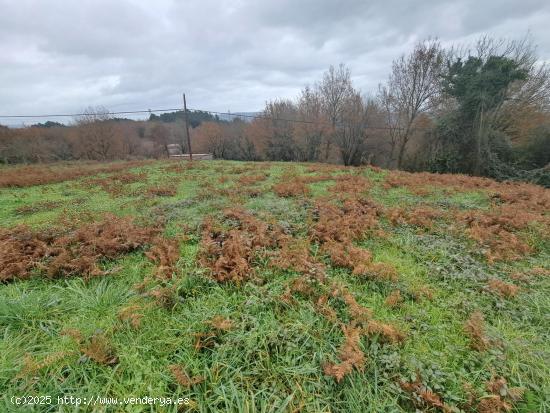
x,y
271,361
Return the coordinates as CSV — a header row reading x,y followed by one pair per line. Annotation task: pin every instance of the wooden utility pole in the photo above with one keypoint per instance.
x,y
187,128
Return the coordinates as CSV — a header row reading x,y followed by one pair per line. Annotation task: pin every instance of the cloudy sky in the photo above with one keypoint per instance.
x,y
61,56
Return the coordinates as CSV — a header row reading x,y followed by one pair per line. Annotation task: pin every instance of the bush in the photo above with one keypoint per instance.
x,y
536,153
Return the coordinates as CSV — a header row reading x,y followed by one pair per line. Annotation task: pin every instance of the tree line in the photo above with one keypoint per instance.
x,y
481,110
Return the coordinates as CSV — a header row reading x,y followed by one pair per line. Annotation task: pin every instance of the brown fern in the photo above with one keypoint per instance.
x,y
183,379
501,288
351,356
475,329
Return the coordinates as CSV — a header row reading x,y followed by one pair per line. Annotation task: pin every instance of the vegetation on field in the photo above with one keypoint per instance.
x,y
274,287
480,109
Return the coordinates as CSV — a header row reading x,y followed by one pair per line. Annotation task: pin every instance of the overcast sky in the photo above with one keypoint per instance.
x,y
62,55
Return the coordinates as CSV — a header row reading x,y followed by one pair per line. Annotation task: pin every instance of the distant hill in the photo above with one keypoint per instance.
x,y
244,116
49,124
196,117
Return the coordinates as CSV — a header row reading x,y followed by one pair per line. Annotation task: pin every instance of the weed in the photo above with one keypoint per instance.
x,y
79,252
394,299
424,181
501,397
540,272
381,271
129,177
346,255
359,315
350,185
165,254
347,222
229,254
22,250
37,207
351,356
165,297
311,179
221,323
503,289
183,379
131,314
115,184
295,254
422,292
325,309
423,217
252,179
25,176
385,331
99,349
475,329
291,189
495,231
162,190
31,366
423,396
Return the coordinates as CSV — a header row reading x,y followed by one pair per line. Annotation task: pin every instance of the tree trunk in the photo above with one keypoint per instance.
x,y
327,149
400,155
402,146
477,158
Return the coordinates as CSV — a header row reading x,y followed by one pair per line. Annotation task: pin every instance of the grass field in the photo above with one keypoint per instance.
x,y
273,287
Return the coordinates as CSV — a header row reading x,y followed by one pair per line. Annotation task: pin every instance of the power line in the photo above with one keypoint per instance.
x,y
266,117
213,112
67,115
243,115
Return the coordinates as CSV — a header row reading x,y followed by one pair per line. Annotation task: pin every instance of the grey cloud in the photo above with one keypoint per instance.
x,y
62,56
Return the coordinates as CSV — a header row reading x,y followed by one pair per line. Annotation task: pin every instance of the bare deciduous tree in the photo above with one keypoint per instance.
x,y
313,128
527,100
351,133
96,134
413,88
280,127
216,140
160,135
335,90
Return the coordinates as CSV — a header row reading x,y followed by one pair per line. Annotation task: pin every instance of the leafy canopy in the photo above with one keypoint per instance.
x,y
477,84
